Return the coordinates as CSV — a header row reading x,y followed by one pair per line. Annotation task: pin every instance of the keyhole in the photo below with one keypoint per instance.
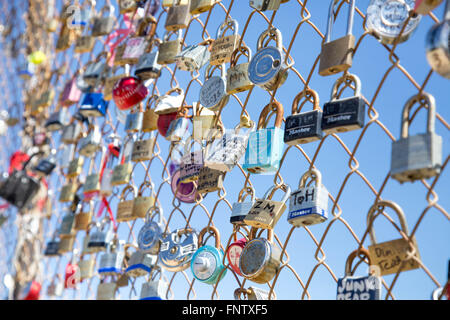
x,y
276,63
173,250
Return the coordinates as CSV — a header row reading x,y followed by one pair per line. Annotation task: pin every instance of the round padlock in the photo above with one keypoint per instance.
x,y
206,263
149,238
176,253
213,94
185,192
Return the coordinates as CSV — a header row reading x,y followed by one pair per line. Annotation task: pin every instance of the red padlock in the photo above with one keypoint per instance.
x,y
31,291
128,92
164,121
72,276
234,254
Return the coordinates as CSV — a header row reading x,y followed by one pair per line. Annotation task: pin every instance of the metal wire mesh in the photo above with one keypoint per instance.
x,y
313,258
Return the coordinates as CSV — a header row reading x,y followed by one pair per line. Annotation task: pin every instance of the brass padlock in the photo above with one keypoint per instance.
x,y
337,55
200,6
224,46
83,218
143,203
67,193
210,180
106,290
237,74
143,149
178,16
85,42
122,171
150,121
266,212
104,25
168,50
392,255
169,3
125,207
118,55
65,39
127,6
66,228
91,186
86,267
66,245
75,167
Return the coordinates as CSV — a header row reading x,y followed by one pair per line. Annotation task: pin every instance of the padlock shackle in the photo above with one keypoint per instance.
x,y
216,233
124,191
269,193
266,111
271,32
226,25
153,98
167,34
212,68
379,206
352,256
240,291
240,51
247,190
314,174
346,77
351,14
252,235
307,93
158,211
144,184
431,118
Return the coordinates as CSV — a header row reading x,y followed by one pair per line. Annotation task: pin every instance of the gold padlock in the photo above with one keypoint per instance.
x,y
200,6
106,291
65,39
150,120
118,57
143,149
223,46
75,167
66,245
210,180
125,207
178,16
143,204
83,218
237,74
91,185
122,172
67,193
168,50
86,267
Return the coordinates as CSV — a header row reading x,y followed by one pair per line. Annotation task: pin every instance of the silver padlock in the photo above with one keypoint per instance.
x,y
267,67
148,66
71,132
176,253
91,143
213,94
419,156
149,237
263,5
178,127
134,119
57,120
437,45
154,289
112,260
309,204
240,208
139,263
194,57
100,239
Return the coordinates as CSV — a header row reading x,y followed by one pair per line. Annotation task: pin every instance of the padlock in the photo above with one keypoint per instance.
x,y
138,44
420,156
112,78
128,6
210,180
223,46
84,248
139,263
337,55
103,25
225,153
118,54
344,114
234,252
111,261
83,218
168,103
168,50
26,70
147,66
253,293
122,171
424,7
112,152
86,267
265,145
52,248
30,291
93,105
194,57
263,5
240,208
309,204
55,289
100,238
392,256
206,263
177,249
66,245
207,125
71,94
154,289
47,95
178,16
106,290
267,68
142,204
213,94
306,126
66,228
85,42
95,69
358,288
150,121
191,163
143,148
89,144
260,259
266,212
133,121
125,207
57,120
75,165
170,3
67,193
66,37
128,92
149,237
71,275
178,126
437,47
237,74
386,19
46,166
185,192
91,186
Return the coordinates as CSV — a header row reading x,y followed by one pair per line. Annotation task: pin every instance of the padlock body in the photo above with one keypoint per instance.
x,y
177,17
45,166
102,26
267,68
140,264
176,254
222,49
125,211
207,266
106,291
141,205
416,157
67,193
168,50
93,105
438,48
303,127
111,263
263,5
237,79
177,129
121,174
226,153
52,249
106,186
359,288
191,164
265,213
75,167
200,6
308,206
66,245
343,115
86,268
337,55
66,229
210,180
82,220
135,48
133,122
150,121
142,150
264,151
92,183
154,290
239,211
213,92
148,66
84,44
192,58
424,7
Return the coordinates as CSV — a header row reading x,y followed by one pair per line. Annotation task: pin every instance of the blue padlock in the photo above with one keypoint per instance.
x,y
93,105
265,145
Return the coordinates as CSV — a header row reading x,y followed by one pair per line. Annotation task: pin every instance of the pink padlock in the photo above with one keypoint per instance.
x,y
71,93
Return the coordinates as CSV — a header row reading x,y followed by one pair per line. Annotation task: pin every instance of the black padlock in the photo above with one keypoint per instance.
x,y
46,166
346,114
306,126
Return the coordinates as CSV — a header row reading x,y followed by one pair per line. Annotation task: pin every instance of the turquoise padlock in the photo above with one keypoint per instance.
x,y
206,263
265,145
